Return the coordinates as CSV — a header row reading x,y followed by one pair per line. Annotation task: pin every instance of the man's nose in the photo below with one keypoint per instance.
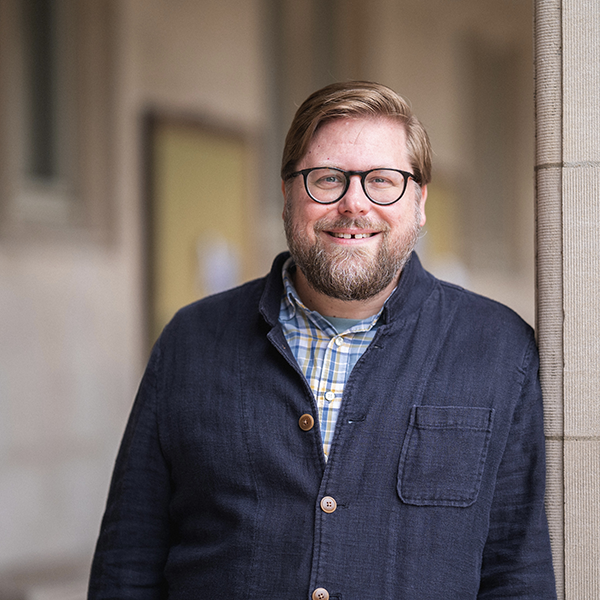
x,y
354,201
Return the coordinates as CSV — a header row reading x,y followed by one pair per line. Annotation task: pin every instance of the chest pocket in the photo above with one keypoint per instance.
x,y
443,455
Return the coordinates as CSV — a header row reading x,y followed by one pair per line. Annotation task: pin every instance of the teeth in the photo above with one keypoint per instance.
x,y
351,236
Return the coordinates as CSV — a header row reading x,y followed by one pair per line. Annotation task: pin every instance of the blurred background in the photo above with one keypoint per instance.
x,y
139,156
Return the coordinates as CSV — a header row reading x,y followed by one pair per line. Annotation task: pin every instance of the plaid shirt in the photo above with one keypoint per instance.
x,y
325,356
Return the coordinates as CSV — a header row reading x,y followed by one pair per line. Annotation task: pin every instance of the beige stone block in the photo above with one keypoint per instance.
x,y
548,79
582,519
549,291
581,80
581,343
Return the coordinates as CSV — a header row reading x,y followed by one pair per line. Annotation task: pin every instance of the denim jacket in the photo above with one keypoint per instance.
x,y
434,487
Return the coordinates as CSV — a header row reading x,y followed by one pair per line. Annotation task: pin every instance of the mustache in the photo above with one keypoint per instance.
x,y
326,224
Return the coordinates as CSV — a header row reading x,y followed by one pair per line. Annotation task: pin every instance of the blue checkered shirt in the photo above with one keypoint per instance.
x,y
325,356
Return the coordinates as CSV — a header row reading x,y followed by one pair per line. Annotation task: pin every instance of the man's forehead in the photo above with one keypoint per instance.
x,y
337,125
374,135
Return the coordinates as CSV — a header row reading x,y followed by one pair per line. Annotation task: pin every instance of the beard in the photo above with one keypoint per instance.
x,y
348,273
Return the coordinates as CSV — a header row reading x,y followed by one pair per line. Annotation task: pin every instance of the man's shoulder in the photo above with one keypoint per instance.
x,y
452,301
242,297
217,312
476,310
233,312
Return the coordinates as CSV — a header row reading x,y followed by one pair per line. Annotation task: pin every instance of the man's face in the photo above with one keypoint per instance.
x,y
381,237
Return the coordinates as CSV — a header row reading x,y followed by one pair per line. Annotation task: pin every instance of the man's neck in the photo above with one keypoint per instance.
x,y
333,307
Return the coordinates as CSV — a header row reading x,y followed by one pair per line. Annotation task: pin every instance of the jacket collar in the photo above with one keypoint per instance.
x,y
415,286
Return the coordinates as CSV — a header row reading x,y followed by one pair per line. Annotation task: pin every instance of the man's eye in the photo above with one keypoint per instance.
x,y
329,180
383,179
380,181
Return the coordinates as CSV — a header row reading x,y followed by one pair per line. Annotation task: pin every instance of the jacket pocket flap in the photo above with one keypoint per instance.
x,y
443,455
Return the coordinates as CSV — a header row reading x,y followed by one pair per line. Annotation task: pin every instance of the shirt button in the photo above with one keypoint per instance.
x,y
339,341
320,594
329,396
328,504
306,422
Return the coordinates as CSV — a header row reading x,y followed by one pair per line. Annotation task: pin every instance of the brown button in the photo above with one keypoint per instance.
x,y
306,422
320,594
328,504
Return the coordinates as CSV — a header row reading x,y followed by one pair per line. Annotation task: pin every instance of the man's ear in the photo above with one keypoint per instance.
x,y
421,200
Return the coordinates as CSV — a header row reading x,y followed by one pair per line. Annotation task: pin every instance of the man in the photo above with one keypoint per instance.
x,y
348,427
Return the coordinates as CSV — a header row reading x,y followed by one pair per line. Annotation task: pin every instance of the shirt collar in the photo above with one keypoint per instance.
x,y
290,298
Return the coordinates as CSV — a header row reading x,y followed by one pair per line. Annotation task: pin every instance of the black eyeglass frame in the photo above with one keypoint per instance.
x,y
362,174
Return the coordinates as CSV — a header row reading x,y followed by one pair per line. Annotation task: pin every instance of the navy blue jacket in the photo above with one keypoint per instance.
x,y
437,465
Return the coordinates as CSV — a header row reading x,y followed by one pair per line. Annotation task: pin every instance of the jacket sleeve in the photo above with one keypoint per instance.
x,y
517,561
134,537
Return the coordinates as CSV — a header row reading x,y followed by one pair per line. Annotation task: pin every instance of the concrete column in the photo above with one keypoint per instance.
x,y
567,36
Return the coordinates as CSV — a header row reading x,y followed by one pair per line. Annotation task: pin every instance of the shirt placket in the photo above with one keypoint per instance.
x,y
330,386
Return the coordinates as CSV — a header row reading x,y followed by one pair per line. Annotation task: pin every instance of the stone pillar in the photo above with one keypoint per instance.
x,y
567,38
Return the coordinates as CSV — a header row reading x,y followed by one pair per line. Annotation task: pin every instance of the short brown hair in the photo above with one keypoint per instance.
x,y
356,99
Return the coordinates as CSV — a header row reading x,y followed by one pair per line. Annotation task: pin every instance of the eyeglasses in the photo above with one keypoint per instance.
x,y
327,185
